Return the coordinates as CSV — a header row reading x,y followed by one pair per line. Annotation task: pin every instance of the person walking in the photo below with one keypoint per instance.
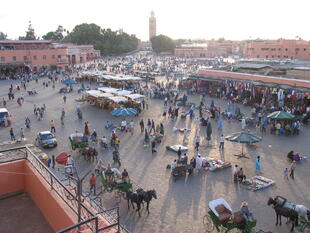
x,y
65,98
292,169
222,140
53,161
243,123
257,164
142,125
197,142
152,126
53,126
220,125
131,126
179,152
22,135
92,183
147,102
286,174
12,135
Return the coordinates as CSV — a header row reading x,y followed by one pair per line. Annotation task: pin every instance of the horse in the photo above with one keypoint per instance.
x,y
134,198
285,212
302,210
147,196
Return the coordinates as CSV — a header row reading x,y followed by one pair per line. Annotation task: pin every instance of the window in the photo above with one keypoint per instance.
x,y
264,49
266,56
2,59
305,49
278,56
53,56
14,58
273,49
257,56
286,49
272,56
25,58
59,56
34,57
297,49
279,49
44,57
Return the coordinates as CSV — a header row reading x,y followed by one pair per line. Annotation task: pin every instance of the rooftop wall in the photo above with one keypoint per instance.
x,y
21,176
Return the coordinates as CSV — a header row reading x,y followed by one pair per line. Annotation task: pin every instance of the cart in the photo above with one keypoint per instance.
x,y
78,140
113,182
222,219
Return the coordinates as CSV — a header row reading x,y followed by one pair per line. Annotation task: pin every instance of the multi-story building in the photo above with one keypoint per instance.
x,y
209,49
36,54
278,49
191,50
152,25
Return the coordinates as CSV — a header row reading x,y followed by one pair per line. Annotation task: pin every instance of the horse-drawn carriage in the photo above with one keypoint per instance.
x,y
223,219
112,180
78,140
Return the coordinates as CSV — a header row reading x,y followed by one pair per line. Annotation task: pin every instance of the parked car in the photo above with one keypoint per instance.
x,y
3,113
46,139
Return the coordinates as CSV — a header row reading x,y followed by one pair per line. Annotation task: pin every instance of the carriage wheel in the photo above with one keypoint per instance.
x,y
208,224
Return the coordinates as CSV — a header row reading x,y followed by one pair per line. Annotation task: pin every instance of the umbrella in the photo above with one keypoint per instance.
x,y
69,81
124,112
243,137
281,115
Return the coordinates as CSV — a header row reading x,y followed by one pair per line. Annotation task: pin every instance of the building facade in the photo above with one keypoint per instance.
x,y
278,49
208,49
44,54
152,25
191,50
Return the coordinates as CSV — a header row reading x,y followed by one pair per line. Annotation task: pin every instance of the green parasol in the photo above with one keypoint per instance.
x,y
281,115
243,137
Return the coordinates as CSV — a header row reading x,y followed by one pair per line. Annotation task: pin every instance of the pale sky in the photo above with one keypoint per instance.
x,y
232,19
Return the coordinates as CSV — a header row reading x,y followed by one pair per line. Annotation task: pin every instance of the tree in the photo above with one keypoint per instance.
x,y
3,36
30,34
221,39
162,43
55,35
107,41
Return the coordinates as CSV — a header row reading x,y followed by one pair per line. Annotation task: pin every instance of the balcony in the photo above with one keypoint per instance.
x,y
42,201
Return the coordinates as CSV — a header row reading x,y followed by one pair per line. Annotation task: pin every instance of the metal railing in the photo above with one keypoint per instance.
x,y
88,217
81,225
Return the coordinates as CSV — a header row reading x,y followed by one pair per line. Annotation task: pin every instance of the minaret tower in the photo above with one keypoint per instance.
x,y
152,25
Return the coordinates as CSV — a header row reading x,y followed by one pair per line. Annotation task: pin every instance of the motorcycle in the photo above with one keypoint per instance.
x,y
103,143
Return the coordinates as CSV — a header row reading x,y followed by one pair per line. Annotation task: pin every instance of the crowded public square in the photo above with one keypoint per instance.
x,y
181,142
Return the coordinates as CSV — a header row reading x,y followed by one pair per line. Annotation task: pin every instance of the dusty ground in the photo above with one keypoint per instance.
x,y
181,205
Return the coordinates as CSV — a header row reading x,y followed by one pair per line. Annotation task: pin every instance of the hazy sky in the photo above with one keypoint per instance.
x,y
232,19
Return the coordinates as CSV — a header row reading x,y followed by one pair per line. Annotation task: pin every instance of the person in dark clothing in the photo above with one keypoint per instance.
x,y
142,125
153,146
179,152
53,161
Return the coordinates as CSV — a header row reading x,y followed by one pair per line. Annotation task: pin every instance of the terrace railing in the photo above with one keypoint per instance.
x,y
95,217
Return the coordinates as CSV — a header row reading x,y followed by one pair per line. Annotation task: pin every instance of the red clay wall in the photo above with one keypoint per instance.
x,y
55,211
12,178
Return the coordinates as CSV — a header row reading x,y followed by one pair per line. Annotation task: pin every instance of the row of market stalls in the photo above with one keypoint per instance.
x,y
109,79
245,89
111,98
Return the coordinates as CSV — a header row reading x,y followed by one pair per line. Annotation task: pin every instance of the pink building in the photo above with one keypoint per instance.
x,y
43,53
278,49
